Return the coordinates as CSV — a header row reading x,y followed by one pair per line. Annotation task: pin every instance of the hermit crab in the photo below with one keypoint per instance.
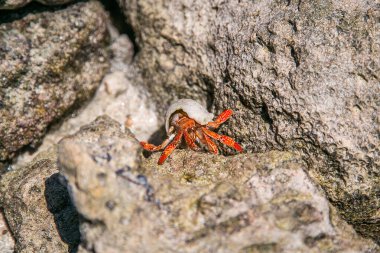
x,y
188,119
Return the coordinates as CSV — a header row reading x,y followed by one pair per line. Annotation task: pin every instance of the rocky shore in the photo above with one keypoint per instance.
x,y
82,82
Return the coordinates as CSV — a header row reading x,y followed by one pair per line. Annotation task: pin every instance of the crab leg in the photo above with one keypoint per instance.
x,y
220,119
211,145
203,138
190,141
169,149
151,147
224,139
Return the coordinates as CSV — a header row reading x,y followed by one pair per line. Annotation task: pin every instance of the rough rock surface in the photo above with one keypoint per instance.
x,y
7,242
38,209
49,62
117,97
299,75
14,4
196,202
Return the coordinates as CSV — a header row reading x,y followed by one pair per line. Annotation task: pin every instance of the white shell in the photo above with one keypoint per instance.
x,y
193,109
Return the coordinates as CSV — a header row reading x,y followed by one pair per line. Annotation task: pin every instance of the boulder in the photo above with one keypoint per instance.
x,y
38,208
49,63
117,96
196,202
299,75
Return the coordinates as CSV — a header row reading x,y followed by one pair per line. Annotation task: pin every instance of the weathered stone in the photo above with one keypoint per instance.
x,y
196,202
14,4
49,62
7,243
299,75
116,96
112,137
38,209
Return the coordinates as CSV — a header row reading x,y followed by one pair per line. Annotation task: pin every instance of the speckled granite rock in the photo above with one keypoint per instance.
x,y
299,75
38,209
196,202
49,62
14,4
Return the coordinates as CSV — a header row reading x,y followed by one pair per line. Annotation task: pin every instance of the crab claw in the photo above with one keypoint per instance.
x,y
148,146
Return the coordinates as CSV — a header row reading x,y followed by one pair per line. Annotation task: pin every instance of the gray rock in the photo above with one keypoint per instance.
x,y
196,202
14,4
116,96
49,63
300,75
38,209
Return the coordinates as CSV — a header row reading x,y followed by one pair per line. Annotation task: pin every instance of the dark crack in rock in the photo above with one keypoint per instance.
x,y
38,208
300,75
196,202
49,63
14,4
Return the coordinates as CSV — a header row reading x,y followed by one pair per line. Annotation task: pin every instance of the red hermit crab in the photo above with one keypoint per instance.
x,y
188,119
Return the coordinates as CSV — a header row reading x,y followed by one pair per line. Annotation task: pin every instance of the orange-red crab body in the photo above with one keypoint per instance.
x,y
188,119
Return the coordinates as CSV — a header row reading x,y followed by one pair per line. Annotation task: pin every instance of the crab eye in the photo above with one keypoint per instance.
x,y
174,118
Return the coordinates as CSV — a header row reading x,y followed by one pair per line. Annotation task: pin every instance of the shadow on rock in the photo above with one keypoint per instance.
x,y
65,215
